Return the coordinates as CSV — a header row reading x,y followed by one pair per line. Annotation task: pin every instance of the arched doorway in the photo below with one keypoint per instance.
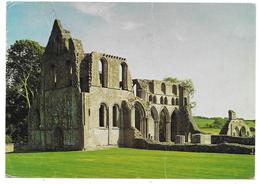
x,y
140,121
164,125
155,126
58,138
242,132
174,122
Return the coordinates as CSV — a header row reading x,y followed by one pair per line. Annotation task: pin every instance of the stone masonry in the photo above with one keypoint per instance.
x,y
89,100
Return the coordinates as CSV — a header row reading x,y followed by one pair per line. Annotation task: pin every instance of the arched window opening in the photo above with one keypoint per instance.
x,y
154,99
163,88
177,101
173,101
151,87
103,69
161,100
174,89
124,72
165,100
162,127
185,101
103,116
54,75
69,72
116,113
150,98
140,122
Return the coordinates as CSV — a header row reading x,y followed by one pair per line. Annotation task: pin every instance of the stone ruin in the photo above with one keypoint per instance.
x,y
89,100
235,127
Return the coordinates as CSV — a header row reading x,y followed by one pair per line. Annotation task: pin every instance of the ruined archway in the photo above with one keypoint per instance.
x,y
242,132
58,138
174,122
155,123
164,131
140,121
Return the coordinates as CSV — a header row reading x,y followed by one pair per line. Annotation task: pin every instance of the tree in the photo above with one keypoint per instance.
x,y
23,68
187,84
22,85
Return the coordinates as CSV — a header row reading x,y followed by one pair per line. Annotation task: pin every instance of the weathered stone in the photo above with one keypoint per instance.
x,y
180,139
87,100
201,139
235,127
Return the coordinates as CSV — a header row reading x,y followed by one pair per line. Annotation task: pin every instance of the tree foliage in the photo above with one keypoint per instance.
x,y
22,84
187,84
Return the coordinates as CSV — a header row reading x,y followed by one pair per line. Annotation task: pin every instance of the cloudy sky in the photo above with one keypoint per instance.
x,y
212,44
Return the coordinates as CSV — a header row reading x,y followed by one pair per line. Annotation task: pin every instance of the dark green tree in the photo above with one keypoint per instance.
x,y
22,85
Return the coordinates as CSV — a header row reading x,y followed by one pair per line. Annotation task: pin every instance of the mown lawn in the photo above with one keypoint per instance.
x,y
129,163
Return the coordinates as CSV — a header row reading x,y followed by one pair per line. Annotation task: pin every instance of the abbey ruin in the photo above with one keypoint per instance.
x,y
90,100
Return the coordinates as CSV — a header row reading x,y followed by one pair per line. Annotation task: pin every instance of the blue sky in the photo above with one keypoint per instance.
x,y
212,44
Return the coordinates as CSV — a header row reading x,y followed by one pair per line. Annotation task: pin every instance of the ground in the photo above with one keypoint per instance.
x,y
129,163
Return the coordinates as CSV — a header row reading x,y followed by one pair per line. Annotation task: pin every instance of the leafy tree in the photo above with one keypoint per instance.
x,y
187,84
218,122
22,85
23,68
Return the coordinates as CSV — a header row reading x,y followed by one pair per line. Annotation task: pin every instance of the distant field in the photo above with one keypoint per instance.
x,y
204,122
129,163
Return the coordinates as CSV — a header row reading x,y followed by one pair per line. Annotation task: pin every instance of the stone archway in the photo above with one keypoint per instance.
x,y
174,124
140,120
164,126
155,118
58,138
242,132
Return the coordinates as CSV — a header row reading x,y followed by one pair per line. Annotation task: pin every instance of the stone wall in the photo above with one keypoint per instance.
x,y
211,148
217,139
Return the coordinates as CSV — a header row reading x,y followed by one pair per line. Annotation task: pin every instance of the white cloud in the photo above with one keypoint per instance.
x,y
107,13
102,10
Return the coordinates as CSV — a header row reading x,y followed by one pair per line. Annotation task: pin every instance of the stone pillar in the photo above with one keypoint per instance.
x,y
168,131
133,117
156,130
110,125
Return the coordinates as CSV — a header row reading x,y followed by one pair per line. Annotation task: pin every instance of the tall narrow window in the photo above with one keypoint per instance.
x,y
161,100
124,74
185,101
115,116
150,98
163,88
174,89
103,72
103,115
173,101
165,100
151,87
177,101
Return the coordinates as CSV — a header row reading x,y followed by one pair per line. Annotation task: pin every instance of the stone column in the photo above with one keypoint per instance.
x,y
156,130
133,117
168,131
110,124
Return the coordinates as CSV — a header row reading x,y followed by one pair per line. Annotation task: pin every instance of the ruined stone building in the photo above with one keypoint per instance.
x,y
89,100
235,127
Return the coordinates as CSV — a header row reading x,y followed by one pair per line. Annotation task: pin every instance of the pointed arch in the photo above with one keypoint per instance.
x,y
103,72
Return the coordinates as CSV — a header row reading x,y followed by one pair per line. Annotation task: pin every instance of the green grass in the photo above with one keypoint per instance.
x,y
129,163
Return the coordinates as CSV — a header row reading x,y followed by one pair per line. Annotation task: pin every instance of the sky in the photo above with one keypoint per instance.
x,y
212,44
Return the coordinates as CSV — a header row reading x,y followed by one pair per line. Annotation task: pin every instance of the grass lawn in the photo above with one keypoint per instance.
x,y
129,163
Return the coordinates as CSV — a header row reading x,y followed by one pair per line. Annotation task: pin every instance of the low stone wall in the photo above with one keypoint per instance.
x,y
211,148
9,148
217,139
